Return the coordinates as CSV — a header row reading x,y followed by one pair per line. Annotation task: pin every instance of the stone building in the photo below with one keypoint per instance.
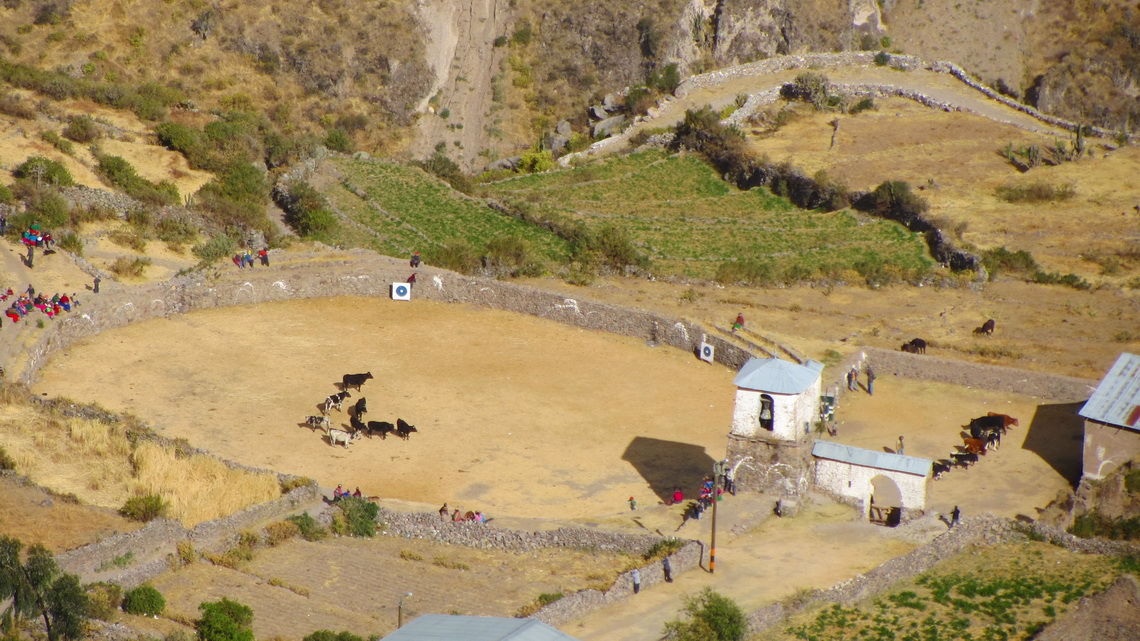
x,y
1112,419
889,488
777,407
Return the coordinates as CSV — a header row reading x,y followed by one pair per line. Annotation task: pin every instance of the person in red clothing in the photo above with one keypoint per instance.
x,y
263,254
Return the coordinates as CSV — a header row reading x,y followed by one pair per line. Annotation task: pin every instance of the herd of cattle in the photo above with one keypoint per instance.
x,y
918,346
357,427
985,433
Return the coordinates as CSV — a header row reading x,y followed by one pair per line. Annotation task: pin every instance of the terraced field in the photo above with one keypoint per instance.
x,y
691,223
400,209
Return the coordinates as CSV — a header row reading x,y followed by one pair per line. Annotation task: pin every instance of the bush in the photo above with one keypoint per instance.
x,y
181,138
42,169
1036,192
121,174
501,41
49,208
1001,259
6,195
360,516
310,529
53,139
306,209
1131,480
225,620
665,79
6,460
510,256
215,249
339,140
536,161
866,104
129,268
663,548
144,508
70,241
103,600
457,255
882,59
710,617
281,531
143,600
12,105
523,34
809,87
82,129
329,635
1068,280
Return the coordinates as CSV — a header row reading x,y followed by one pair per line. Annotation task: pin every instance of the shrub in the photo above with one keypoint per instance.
x,y
121,174
1131,480
144,508
42,169
281,531
360,515
866,104
225,620
536,161
615,247
1068,280
103,600
457,255
49,208
338,139
12,105
501,41
541,601
306,209
882,59
710,616
127,267
663,548
215,249
329,635
143,600
1001,259
523,34
809,87
181,138
6,461
510,256
310,529
665,79
6,195
1036,192
82,129
53,139
176,230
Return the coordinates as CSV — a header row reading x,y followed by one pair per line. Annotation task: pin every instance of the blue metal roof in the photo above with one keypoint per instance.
x,y
777,376
451,627
1117,397
871,458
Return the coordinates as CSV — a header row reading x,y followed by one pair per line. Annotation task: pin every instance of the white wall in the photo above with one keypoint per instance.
x,y
790,414
854,482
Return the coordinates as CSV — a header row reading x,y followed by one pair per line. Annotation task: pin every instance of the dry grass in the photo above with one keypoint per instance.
x,y
185,483
94,460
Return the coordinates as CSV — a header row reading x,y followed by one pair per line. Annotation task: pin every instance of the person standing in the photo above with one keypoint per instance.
x,y
955,514
443,512
632,504
96,288
739,324
31,256
668,569
870,381
415,261
636,575
263,254
853,379
899,447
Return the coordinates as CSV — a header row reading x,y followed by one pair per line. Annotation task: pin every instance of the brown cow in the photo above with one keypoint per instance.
x,y
1007,420
975,446
987,328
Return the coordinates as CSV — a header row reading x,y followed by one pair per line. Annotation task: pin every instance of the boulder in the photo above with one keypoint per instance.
x,y
511,163
609,126
610,103
556,142
598,112
563,128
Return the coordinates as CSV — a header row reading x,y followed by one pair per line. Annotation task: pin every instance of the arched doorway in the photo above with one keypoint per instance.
x,y
767,412
885,502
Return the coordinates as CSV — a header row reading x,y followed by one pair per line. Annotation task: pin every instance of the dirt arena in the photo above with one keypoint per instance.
x,y
516,415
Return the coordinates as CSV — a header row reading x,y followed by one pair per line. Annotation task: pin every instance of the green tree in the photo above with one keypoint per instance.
x,y
144,600
709,617
42,169
225,620
38,589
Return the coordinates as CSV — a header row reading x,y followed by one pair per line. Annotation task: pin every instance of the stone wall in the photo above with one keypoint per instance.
x,y
851,484
356,273
772,466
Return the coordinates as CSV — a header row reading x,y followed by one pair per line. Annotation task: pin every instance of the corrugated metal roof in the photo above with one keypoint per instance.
x,y
453,627
776,376
1117,397
871,458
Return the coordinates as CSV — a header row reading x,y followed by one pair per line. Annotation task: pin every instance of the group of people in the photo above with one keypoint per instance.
x,y
245,259
29,300
341,493
458,515
853,380
34,239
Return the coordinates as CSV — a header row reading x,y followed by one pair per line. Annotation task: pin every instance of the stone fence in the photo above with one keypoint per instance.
x,y
478,535
981,530
354,273
864,58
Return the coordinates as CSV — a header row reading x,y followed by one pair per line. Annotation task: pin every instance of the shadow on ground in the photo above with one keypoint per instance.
x,y
668,464
1055,434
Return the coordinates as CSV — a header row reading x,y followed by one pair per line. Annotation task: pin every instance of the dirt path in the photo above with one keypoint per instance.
x,y
464,57
939,86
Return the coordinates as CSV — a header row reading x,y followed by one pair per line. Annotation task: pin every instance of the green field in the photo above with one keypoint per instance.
x,y
988,594
691,223
404,209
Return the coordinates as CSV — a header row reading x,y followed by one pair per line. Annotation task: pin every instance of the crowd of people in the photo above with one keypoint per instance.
x,y
458,515
29,301
245,259
341,493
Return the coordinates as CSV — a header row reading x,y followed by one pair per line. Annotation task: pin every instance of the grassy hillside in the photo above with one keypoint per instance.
x,y
693,224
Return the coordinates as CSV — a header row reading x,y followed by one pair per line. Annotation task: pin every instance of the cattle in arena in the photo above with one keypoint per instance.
x,y
963,459
335,400
915,346
987,328
1007,421
993,440
341,437
358,426
320,422
981,427
909,348
361,408
354,380
940,468
403,429
383,428
975,446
